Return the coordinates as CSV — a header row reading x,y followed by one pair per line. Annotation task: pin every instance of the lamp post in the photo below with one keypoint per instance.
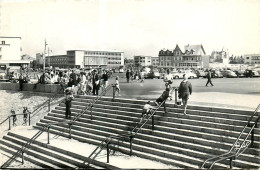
x,y
45,44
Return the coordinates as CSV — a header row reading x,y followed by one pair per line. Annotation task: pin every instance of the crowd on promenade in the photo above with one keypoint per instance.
x,y
82,82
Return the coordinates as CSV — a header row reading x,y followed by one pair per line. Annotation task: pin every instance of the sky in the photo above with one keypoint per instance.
x,y
135,27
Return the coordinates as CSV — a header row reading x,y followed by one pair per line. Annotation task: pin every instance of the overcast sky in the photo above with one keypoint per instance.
x,y
136,27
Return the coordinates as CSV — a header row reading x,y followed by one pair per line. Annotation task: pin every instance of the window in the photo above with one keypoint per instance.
x,y
3,42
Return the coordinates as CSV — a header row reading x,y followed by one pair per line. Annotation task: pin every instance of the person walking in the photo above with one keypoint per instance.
x,y
127,76
185,90
95,82
105,78
73,76
68,99
209,75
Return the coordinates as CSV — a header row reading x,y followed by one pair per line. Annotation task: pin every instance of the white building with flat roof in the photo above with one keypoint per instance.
x,y
10,52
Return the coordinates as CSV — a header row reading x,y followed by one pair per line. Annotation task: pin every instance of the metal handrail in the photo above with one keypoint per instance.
x,y
48,100
46,127
234,144
106,141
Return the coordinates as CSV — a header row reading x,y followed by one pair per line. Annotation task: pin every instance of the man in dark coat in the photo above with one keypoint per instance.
x,y
127,76
95,83
209,75
73,76
185,90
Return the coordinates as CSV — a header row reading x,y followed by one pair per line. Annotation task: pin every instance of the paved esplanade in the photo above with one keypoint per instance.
x,y
238,93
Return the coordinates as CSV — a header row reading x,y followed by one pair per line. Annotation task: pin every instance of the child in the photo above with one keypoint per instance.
x,y
88,88
117,85
25,115
146,110
14,117
163,98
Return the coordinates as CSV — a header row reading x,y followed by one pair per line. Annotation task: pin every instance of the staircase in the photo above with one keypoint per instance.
x,y
179,140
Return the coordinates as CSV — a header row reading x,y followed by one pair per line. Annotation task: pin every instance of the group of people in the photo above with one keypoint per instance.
x,y
184,91
130,75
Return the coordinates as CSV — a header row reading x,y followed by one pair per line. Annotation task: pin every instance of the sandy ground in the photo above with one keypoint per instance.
x,y
17,100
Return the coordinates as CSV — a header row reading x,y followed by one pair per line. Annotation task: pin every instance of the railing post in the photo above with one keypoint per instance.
x,y
49,104
176,95
107,152
70,130
9,123
29,119
91,111
131,146
22,157
153,122
114,86
252,137
48,135
231,163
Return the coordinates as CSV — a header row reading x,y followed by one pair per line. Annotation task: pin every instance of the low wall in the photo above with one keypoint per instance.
x,y
45,88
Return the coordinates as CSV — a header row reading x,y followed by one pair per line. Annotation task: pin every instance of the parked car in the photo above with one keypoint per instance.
x,y
229,74
121,70
248,73
152,74
255,73
190,74
217,74
200,73
240,73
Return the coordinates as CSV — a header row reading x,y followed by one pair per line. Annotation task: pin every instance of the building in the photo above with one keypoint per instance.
x,y
142,61
10,52
86,58
193,57
219,57
39,60
252,59
155,61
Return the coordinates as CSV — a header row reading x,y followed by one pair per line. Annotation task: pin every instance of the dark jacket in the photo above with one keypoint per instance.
x,y
185,87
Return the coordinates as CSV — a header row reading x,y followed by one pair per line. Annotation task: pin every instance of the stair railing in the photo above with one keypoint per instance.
x,y
107,140
236,149
46,127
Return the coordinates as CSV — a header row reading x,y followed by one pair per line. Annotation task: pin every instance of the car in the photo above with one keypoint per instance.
x,y
240,73
200,73
217,74
177,75
255,73
152,74
121,70
228,73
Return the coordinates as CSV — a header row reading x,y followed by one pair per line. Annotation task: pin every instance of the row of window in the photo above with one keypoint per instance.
x,y
114,58
113,62
188,64
255,57
179,58
102,53
57,59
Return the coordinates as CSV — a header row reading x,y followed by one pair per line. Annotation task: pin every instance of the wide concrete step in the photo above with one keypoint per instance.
x,y
178,118
178,112
245,117
113,127
171,105
174,150
182,128
9,152
31,156
159,153
129,125
74,159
